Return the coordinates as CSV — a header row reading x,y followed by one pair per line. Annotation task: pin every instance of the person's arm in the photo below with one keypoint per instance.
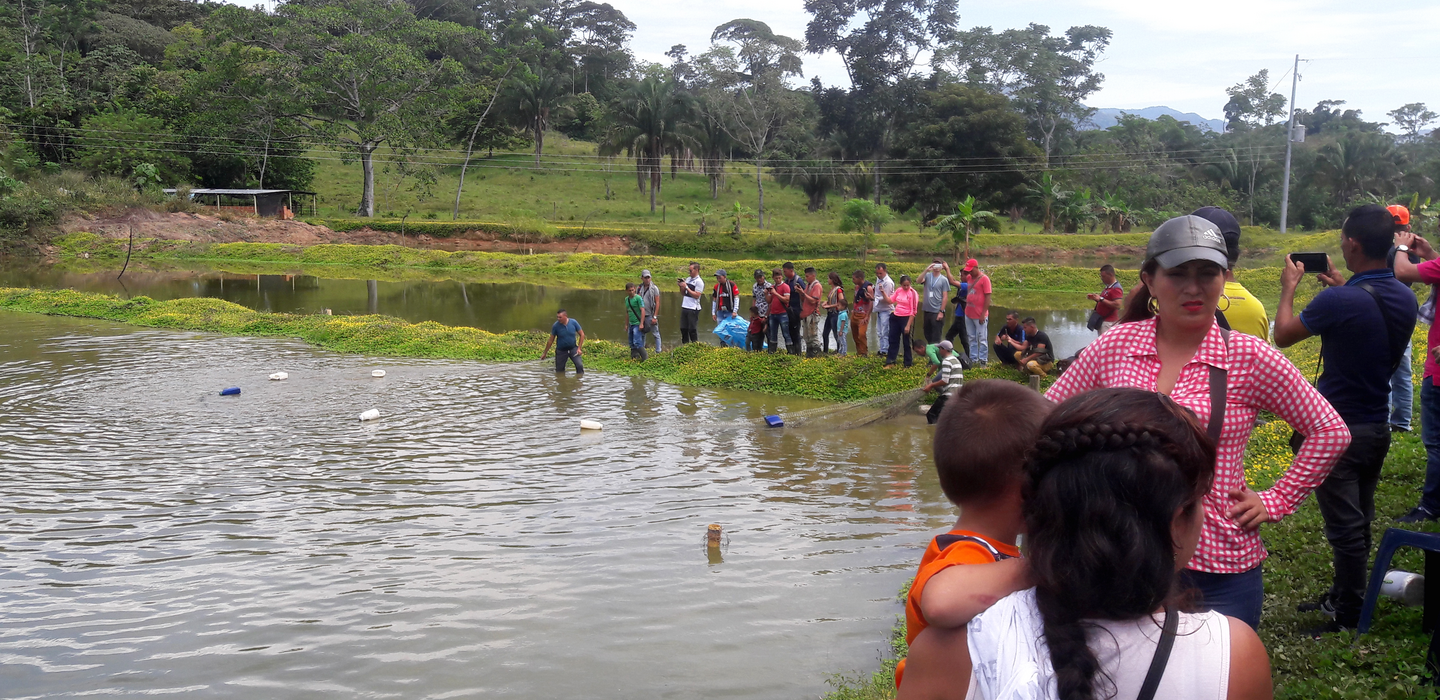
x,y
1282,390
957,594
1112,304
658,295
937,666
1288,328
714,306
579,341
1249,665
548,343
1406,271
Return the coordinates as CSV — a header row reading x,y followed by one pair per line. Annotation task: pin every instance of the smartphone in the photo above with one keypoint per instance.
x,y
1313,262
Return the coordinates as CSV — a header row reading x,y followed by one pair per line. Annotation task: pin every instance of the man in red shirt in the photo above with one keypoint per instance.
x,y
1108,301
977,314
780,298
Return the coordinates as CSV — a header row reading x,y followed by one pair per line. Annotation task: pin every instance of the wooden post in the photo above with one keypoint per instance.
x,y
1035,382
255,203
712,535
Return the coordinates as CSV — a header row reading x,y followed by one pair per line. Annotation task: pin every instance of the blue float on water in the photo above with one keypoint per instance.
x,y
232,391
774,421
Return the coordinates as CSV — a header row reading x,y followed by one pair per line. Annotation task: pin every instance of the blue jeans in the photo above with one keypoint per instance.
x,y
882,330
978,330
1238,595
637,339
1430,435
1402,392
779,325
563,354
655,331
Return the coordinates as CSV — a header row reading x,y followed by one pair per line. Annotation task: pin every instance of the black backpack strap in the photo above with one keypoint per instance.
x,y
1162,655
943,542
1219,382
1381,308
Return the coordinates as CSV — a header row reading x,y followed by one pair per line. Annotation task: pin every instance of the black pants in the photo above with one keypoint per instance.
x,y
793,312
689,324
935,408
755,341
831,327
934,328
1006,354
957,330
1347,503
898,336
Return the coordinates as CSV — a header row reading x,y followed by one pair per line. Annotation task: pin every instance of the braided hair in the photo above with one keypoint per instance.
x,y
1111,469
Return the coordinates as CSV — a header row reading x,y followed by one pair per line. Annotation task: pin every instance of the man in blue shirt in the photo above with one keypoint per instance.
x,y
1364,326
568,339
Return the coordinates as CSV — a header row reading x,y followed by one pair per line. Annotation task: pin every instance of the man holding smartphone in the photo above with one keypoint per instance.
x,y
691,290
1364,325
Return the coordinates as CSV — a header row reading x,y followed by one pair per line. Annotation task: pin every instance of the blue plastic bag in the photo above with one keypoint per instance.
x,y
732,331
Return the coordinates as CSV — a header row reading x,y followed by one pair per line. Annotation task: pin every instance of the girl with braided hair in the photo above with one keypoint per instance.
x,y
1168,342
1113,512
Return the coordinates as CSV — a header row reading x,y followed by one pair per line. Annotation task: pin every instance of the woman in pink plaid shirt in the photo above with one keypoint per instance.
x,y
1168,341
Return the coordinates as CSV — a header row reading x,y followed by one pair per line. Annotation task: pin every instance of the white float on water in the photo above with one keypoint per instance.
x,y
371,414
279,376
378,373
590,425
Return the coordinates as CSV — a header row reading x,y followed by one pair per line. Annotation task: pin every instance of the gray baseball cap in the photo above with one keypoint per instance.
x,y
644,273
1186,238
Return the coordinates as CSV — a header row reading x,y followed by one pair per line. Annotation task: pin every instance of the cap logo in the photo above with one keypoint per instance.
x,y
1213,236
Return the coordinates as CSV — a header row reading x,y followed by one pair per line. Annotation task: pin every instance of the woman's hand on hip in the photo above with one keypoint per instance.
x,y
1248,511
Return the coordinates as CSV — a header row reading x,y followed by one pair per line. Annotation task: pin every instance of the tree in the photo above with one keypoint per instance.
x,y
1358,163
813,177
1252,104
535,100
470,144
708,137
969,140
1412,119
747,94
117,143
1047,77
601,33
967,220
362,73
648,123
1047,194
864,216
880,42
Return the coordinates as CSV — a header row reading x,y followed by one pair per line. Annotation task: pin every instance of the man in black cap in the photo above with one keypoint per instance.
x,y
1364,326
1244,312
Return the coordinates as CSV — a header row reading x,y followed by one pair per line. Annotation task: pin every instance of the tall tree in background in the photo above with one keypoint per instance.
x,y
362,73
1251,109
1047,77
746,90
1412,119
535,100
880,42
649,121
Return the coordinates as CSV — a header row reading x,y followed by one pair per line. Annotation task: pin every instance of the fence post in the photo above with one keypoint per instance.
x,y
1035,382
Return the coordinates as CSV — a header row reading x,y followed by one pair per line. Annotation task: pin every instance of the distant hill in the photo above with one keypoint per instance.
x,y
1107,117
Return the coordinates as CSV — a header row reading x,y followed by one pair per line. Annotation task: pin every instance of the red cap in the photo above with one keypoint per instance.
x,y
1401,214
971,264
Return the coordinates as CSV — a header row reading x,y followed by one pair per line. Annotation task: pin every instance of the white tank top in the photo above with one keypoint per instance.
x,y
1012,662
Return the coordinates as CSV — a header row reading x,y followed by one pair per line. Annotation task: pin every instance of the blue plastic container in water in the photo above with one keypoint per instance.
x,y
232,391
774,421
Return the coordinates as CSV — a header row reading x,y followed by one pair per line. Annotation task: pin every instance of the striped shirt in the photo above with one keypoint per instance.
x,y
1258,378
951,372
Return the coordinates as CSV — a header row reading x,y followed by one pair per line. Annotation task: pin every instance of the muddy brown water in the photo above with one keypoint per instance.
x,y
161,539
496,307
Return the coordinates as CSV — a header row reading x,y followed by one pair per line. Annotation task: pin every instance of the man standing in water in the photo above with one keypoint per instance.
x,y
650,298
568,339
634,315
691,290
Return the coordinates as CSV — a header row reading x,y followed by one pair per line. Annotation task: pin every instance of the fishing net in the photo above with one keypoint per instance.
x,y
855,414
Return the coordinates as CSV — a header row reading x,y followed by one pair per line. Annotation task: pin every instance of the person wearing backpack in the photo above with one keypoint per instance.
x,y
724,297
1364,325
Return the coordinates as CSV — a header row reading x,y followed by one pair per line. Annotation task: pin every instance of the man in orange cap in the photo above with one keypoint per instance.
x,y
1402,387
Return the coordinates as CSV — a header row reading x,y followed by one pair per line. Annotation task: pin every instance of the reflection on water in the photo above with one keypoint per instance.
x,y
158,538
497,307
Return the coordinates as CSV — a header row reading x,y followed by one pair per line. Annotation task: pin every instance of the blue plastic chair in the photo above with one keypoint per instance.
x,y
1394,539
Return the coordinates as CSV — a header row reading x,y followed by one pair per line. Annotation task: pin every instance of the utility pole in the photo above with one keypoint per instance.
x,y
1289,144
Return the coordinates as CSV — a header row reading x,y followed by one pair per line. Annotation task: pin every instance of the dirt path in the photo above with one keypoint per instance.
x,y
231,228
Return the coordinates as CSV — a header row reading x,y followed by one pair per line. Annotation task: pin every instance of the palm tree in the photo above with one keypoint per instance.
x,y
711,142
1047,193
649,119
967,220
813,177
537,101
1359,162
1118,215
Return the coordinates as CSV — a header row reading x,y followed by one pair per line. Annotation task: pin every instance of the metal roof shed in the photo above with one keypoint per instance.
x,y
261,202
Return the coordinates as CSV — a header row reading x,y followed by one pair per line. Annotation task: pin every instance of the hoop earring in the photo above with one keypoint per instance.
x,y
1226,297
1154,306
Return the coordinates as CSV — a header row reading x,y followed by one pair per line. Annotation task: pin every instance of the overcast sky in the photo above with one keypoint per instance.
x,y
1374,55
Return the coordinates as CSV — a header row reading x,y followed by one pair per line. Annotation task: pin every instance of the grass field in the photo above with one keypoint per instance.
x,y
570,187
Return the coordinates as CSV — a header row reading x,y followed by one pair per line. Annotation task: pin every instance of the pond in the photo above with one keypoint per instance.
x,y
496,307
161,539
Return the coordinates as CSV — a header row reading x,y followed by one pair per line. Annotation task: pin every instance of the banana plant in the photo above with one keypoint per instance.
x,y
967,220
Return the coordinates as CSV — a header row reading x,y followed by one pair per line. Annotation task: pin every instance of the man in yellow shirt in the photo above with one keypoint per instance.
x,y
1245,313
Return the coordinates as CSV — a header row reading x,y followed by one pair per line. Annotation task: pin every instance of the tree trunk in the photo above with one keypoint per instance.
x,y
877,189
652,163
760,187
539,137
367,193
470,147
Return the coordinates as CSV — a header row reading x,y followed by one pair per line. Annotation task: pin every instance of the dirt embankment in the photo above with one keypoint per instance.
x,y
231,228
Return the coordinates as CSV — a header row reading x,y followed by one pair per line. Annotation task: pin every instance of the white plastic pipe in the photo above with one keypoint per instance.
x,y
371,414
590,425
279,376
378,373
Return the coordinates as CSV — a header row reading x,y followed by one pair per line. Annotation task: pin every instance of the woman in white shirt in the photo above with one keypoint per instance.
x,y
1113,513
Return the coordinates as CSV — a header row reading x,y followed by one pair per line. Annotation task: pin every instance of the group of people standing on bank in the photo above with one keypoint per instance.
x,y
1131,491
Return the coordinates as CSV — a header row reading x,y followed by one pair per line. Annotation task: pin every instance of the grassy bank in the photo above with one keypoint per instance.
x,y
828,378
